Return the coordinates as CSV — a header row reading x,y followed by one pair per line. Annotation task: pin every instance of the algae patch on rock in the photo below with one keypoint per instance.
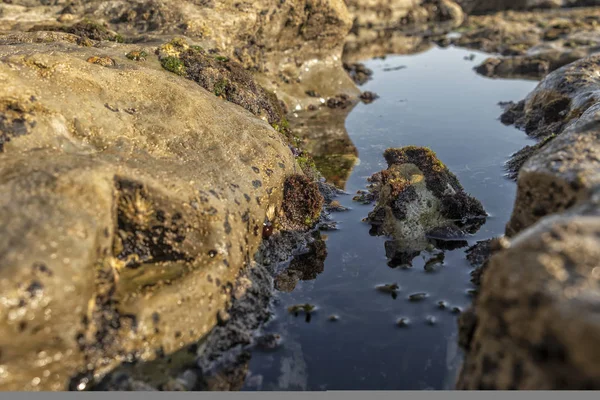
x,y
419,199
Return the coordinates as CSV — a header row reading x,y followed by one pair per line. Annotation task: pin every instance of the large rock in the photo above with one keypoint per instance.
x,y
419,200
562,169
289,45
536,323
131,198
402,13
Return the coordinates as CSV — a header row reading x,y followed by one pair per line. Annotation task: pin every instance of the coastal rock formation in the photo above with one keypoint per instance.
x,y
288,45
419,199
534,323
131,199
402,13
531,44
485,6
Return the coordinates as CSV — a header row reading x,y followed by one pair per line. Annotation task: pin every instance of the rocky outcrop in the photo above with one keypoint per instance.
x,y
534,324
484,6
559,171
531,44
418,200
287,45
131,198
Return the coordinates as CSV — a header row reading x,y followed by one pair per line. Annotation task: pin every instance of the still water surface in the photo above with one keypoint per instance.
x,y
438,101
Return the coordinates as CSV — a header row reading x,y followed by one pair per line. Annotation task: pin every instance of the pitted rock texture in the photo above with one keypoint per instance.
x,y
131,198
288,45
562,169
419,199
535,324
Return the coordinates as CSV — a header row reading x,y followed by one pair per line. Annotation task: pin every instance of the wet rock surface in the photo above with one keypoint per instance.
x,y
560,170
419,200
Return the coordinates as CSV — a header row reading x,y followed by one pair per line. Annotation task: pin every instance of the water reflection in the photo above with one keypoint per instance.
x,y
436,101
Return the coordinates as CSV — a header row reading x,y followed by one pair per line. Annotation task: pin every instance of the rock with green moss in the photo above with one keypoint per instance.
x,y
221,76
127,213
419,199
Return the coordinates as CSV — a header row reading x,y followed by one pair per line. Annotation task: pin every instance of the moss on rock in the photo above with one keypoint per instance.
x,y
221,76
302,203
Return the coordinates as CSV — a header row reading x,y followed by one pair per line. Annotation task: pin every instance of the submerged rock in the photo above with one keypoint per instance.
x,y
417,197
303,267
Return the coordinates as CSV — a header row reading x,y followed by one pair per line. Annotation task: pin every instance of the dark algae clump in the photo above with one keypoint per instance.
x,y
302,202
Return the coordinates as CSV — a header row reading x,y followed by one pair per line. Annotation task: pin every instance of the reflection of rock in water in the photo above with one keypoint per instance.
x,y
303,267
363,44
421,205
324,136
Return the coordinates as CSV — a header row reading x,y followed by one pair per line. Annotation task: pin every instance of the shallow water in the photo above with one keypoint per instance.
x,y
436,101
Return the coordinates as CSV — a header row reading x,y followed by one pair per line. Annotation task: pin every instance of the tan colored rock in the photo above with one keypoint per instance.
x,y
563,169
289,45
131,197
398,13
536,323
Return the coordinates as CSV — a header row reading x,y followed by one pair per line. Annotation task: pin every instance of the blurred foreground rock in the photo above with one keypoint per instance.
x,y
131,199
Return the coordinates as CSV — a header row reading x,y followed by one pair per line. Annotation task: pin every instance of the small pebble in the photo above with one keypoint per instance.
x,y
403,322
417,297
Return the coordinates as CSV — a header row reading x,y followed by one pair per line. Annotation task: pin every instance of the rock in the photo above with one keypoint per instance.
x,y
531,44
561,170
401,13
417,195
110,213
484,6
536,324
302,203
277,41
368,97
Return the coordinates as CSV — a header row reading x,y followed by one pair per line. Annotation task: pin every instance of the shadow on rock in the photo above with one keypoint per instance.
x,y
304,267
